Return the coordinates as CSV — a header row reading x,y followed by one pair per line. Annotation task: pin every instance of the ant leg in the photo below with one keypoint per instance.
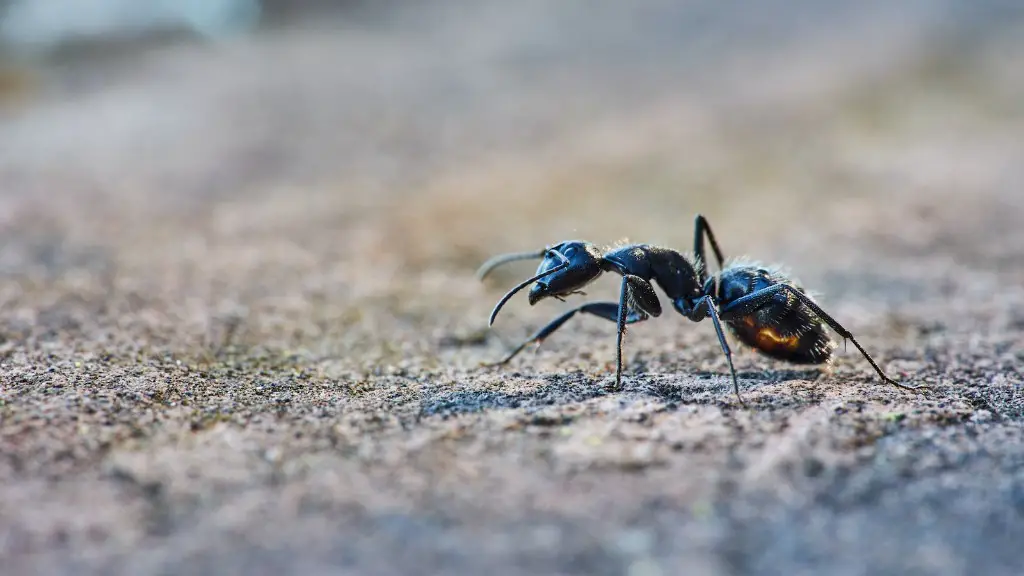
x,y
621,321
607,310
642,295
701,227
709,309
752,302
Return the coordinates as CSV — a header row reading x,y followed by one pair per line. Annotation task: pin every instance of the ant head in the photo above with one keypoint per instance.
x,y
564,269
578,264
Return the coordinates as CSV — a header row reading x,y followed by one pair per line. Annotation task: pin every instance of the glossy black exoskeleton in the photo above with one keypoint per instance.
x,y
762,307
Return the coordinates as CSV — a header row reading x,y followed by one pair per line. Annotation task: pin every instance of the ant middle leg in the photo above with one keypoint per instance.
x,y
607,310
753,302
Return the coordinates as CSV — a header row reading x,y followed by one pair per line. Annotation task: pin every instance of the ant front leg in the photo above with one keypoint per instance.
x,y
641,293
607,310
752,302
703,308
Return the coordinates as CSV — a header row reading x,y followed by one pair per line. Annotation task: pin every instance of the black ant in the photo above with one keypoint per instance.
x,y
763,308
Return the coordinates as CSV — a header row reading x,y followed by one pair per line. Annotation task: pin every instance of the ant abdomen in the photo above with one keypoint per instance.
x,y
781,326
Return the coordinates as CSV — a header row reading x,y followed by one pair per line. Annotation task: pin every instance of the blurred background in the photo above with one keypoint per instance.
x,y
233,154
228,151
317,181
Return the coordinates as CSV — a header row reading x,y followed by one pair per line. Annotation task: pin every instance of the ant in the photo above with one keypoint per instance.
x,y
763,308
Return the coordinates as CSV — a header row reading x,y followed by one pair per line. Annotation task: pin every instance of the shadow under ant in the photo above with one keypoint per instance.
x,y
562,389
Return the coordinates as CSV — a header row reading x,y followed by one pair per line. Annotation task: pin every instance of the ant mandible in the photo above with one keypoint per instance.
x,y
763,308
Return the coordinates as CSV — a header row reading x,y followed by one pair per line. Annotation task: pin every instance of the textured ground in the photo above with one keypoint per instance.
x,y
240,332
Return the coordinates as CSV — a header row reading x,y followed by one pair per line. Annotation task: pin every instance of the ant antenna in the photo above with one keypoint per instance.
x,y
525,283
501,259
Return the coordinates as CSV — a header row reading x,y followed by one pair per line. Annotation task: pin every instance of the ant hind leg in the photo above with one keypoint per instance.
x,y
752,302
700,229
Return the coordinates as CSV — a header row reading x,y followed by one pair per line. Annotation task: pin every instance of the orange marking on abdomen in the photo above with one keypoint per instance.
x,y
767,338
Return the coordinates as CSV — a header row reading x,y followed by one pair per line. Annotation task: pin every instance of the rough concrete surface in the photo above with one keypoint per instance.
x,y
240,331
